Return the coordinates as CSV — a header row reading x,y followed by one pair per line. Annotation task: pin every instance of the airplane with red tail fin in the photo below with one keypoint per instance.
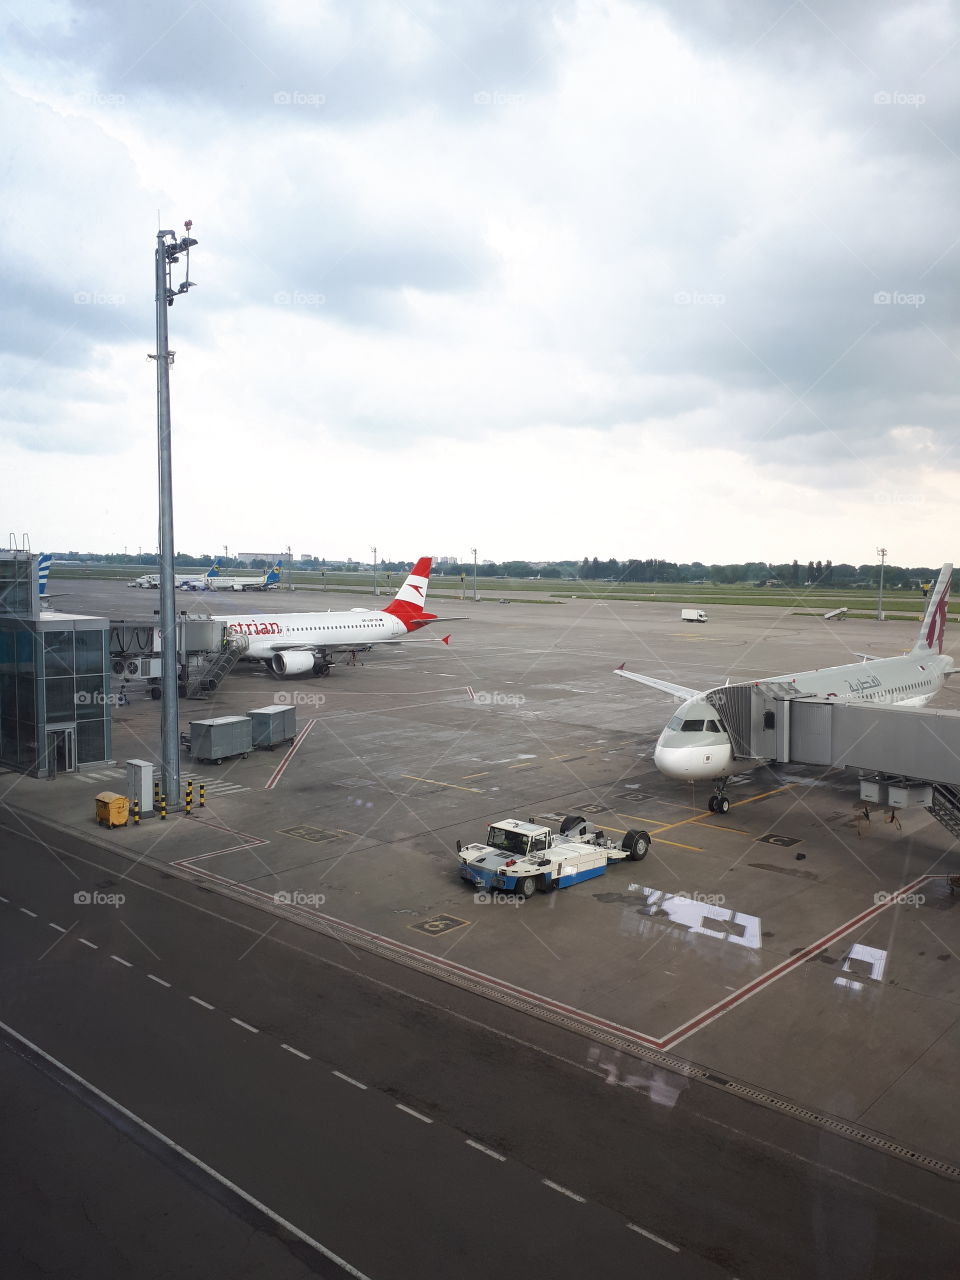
x,y
299,644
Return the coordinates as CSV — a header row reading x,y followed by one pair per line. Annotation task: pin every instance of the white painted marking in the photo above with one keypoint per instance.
x,y
120,960
31,914
59,927
416,1114
246,1026
349,1080
563,1191
197,1000
290,1049
3,899
194,1160
656,1239
478,1146
153,978
93,946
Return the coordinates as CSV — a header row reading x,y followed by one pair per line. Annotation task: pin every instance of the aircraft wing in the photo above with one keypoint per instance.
x,y
675,690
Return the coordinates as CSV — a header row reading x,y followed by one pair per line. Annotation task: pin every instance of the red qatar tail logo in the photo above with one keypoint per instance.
x,y
938,622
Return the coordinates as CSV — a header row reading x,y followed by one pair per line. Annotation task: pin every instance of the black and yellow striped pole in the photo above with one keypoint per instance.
x,y
163,806
156,793
136,813
202,797
188,798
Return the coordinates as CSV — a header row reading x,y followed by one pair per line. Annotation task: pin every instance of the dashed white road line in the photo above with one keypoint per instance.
x,y
31,914
246,1026
416,1114
564,1191
153,978
290,1049
194,1160
478,1146
656,1239
203,1003
349,1080
59,927
3,899
87,943
120,960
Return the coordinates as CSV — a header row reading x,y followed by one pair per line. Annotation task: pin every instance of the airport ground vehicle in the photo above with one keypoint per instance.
x,y
523,857
693,615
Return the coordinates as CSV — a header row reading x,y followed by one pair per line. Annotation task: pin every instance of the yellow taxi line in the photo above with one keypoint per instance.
x,y
527,765
749,800
437,783
476,775
713,827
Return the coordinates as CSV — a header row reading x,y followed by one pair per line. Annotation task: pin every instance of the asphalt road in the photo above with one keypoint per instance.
x,y
406,1126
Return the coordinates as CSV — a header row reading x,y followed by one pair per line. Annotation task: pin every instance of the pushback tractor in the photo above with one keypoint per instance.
x,y
523,857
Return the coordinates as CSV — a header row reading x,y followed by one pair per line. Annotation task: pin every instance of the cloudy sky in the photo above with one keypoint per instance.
x,y
549,279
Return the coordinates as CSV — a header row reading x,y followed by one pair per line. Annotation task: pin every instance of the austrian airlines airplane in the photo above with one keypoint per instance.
x,y
295,644
694,746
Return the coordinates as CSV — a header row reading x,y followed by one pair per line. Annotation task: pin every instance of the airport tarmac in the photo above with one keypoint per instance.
x,y
723,950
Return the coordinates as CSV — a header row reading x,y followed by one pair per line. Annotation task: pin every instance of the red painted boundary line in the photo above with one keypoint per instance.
x,y
295,747
545,1002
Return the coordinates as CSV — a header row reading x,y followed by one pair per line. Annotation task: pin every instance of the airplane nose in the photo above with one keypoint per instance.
x,y
686,762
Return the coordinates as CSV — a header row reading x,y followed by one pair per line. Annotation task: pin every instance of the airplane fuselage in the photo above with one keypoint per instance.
x,y
694,746
270,634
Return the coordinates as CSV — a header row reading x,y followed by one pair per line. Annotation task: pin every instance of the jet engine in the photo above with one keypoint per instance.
x,y
293,663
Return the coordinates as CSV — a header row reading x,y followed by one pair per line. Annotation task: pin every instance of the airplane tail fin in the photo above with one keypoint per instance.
x,y
274,574
930,639
407,604
214,570
43,571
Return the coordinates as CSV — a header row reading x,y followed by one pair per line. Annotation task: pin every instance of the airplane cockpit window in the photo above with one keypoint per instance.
x,y
675,722
692,726
711,726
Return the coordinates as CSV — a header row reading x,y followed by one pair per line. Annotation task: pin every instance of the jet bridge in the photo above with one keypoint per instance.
x,y
911,753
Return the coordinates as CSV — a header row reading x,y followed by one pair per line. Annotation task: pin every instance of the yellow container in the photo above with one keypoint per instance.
x,y
112,810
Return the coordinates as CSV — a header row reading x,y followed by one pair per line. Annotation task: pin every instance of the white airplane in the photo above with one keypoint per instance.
x,y
295,644
695,747
214,581
197,582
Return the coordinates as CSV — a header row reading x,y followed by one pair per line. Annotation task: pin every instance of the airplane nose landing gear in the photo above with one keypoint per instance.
x,y
720,801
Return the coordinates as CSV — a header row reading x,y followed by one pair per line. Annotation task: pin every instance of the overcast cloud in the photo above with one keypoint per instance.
x,y
550,280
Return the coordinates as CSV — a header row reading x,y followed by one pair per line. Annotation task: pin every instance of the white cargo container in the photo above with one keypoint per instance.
x,y
273,725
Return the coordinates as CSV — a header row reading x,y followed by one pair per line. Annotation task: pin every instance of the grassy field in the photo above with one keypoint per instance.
x,y
555,590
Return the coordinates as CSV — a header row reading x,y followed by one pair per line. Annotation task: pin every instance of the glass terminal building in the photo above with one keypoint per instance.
x,y
54,679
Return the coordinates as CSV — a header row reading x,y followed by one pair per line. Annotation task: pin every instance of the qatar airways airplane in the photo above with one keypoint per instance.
x,y
297,644
694,746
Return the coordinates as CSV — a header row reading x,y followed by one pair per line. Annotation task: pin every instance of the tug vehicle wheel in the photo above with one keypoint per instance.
x,y
527,886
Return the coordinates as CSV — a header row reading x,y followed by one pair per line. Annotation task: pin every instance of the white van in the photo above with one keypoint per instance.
x,y
693,615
